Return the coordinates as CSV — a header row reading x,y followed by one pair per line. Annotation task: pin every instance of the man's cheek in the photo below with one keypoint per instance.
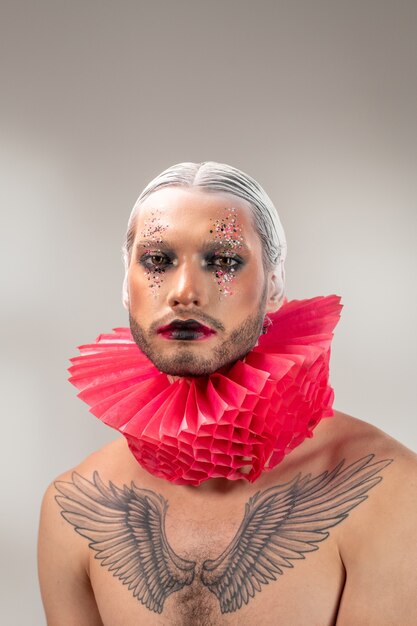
x,y
138,294
225,280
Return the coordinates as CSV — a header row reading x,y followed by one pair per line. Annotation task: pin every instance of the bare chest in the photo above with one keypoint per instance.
x,y
301,591
266,555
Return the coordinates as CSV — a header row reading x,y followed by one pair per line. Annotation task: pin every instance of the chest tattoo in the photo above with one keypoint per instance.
x,y
126,528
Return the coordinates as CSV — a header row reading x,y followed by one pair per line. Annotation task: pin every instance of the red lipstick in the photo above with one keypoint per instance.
x,y
185,330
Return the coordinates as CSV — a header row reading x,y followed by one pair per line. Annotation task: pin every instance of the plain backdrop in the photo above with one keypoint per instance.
x,y
316,99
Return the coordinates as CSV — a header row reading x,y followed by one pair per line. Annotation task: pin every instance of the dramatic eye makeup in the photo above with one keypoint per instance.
x,y
226,229
225,261
227,233
222,254
158,259
153,260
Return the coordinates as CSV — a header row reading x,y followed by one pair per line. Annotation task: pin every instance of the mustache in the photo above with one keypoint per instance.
x,y
184,315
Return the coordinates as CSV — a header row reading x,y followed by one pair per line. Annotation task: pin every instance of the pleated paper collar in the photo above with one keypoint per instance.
x,y
233,425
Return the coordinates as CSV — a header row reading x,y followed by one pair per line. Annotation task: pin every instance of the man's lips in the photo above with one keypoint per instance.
x,y
185,330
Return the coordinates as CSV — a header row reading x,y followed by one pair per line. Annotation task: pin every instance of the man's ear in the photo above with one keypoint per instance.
x,y
275,295
125,292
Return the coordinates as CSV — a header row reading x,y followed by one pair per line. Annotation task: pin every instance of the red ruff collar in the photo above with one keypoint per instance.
x,y
232,425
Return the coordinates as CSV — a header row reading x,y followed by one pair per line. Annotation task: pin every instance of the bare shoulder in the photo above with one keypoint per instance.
x,y
356,436
347,439
378,546
63,555
113,458
113,462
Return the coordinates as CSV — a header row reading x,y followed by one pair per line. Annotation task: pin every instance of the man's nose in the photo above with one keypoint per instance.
x,y
188,287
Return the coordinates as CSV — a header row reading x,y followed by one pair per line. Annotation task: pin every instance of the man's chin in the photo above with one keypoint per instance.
x,y
185,365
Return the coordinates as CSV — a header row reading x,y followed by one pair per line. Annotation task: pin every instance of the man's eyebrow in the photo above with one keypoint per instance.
x,y
206,247
215,246
154,242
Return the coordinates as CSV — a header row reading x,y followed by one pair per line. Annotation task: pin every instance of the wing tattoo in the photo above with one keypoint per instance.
x,y
281,524
126,527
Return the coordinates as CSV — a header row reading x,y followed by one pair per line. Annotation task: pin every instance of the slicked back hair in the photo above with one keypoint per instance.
x,y
212,177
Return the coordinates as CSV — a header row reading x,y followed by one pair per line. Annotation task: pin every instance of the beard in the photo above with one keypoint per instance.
x,y
186,362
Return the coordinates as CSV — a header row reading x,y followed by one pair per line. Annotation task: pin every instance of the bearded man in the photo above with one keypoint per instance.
x,y
236,494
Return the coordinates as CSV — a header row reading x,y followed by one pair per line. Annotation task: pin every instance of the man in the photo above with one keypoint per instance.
x,y
232,501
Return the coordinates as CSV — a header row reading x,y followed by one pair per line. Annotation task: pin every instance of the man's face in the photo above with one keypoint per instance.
x,y
198,292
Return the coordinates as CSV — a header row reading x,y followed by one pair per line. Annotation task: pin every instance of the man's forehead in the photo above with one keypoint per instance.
x,y
172,197
171,205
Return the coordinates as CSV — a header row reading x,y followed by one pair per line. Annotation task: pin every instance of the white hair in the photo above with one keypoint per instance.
x,y
212,177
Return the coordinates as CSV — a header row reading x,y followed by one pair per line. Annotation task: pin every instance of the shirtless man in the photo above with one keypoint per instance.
x,y
326,537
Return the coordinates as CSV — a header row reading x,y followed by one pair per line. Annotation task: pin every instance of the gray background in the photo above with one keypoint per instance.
x,y
315,99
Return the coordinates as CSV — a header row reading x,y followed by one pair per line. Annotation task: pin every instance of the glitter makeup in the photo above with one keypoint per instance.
x,y
151,232
228,234
153,228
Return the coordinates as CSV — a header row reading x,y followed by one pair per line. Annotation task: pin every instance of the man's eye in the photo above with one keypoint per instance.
x,y
225,262
155,261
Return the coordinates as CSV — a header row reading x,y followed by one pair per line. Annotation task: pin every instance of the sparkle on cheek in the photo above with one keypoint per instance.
x,y
228,233
223,279
155,279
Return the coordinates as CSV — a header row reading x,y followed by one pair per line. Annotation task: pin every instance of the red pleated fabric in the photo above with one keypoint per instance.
x,y
233,425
